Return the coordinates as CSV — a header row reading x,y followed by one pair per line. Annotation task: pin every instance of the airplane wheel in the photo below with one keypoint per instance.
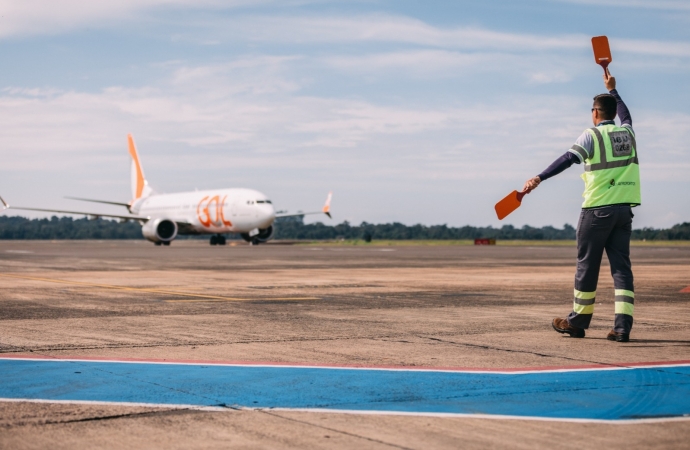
x,y
214,240
221,240
255,242
167,244
157,243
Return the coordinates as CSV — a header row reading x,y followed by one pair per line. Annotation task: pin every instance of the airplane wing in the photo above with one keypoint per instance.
x,y
126,205
60,211
325,210
187,227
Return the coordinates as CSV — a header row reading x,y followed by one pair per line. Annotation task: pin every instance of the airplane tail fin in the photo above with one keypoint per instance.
x,y
327,207
140,187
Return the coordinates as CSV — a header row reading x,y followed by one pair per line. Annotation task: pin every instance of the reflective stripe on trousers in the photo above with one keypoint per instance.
x,y
583,308
625,306
584,302
625,302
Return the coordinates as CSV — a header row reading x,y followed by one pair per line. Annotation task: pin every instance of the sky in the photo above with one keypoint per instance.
x,y
409,111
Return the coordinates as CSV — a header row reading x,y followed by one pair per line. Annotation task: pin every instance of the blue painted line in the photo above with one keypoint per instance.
x,y
615,394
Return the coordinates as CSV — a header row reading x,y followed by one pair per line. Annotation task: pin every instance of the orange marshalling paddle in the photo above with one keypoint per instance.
x,y
510,203
602,52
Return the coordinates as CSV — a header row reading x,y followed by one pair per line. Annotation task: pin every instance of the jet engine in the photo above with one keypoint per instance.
x,y
261,237
160,231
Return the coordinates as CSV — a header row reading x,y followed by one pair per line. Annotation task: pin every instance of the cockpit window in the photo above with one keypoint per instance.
x,y
264,201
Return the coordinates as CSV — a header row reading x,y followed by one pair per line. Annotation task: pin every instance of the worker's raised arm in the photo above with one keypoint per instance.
x,y
621,109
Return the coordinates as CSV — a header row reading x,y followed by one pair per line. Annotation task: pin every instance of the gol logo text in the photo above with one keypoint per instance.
x,y
210,211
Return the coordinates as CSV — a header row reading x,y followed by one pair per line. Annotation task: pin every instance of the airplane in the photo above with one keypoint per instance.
x,y
216,212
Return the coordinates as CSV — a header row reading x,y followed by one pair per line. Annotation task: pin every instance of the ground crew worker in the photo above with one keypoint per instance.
x,y
612,187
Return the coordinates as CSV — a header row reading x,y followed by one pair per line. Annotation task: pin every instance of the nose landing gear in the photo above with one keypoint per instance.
x,y
217,239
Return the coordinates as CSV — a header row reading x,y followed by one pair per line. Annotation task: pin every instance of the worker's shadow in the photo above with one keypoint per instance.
x,y
672,342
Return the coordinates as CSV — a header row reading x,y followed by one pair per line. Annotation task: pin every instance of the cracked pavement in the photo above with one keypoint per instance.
x,y
434,306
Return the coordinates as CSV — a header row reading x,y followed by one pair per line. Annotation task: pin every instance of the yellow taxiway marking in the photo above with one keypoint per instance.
x,y
197,297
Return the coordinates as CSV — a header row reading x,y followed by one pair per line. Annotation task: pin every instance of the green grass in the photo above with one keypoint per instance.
x,y
660,243
385,243
506,243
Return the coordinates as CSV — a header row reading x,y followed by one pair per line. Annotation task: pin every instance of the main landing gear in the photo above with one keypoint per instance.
x,y
217,239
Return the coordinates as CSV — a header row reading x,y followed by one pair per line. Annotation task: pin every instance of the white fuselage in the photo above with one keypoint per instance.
x,y
212,211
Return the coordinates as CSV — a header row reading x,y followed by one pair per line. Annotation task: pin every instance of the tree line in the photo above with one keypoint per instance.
x,y
399,231
69,228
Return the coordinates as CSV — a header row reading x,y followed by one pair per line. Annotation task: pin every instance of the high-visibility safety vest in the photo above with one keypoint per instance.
x,y
612,174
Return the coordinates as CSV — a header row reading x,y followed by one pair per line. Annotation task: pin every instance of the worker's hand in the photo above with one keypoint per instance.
x,y
531,184
609,81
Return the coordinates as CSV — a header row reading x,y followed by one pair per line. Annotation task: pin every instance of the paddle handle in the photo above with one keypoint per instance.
x,y
520,195
605,64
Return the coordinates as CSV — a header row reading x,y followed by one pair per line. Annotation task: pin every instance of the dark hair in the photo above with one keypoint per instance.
x,y
606,104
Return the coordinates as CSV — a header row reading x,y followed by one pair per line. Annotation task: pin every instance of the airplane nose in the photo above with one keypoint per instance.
x,y
268,215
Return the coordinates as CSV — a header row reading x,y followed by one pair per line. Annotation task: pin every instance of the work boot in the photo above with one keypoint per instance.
x,y
619,337
562,326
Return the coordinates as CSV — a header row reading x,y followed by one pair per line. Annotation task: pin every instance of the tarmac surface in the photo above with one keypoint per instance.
x,y
407,308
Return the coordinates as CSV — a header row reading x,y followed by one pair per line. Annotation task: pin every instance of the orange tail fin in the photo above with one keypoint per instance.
x,y
140,187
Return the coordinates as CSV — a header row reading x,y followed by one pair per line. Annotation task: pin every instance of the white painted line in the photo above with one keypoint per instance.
x,y
481,416
384,369
94,402
352,412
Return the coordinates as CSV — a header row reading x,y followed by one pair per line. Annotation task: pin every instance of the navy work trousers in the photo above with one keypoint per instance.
x,y
607,228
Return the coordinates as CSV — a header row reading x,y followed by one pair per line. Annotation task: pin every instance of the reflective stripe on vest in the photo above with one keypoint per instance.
x,y
604,163
612,173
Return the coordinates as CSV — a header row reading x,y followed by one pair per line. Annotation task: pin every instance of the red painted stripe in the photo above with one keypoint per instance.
x,y
351,366
685,290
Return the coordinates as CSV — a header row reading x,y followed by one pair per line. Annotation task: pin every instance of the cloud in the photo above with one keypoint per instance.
x,y
662,5
458,64
234,131
430,62
249,107
378,28
390,29
31,17
649,47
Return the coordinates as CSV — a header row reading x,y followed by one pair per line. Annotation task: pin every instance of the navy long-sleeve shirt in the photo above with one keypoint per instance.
x,y
585,144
